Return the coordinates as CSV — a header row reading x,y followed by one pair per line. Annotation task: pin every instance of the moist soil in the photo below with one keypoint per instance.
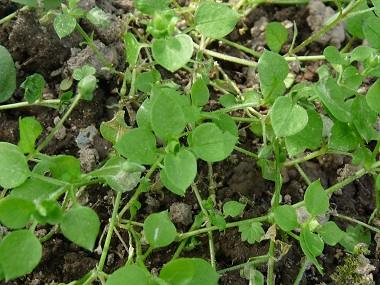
x,y
36,48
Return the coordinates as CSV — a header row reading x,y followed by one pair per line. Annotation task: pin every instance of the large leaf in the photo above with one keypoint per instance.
x,y
159,230
30,130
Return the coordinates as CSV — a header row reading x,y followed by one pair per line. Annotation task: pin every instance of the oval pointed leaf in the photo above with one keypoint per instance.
x,y
159,230
131,274
15,213
316,199
14,168
7,75
81,225
20,253
287,118
64,25
173,52
286,217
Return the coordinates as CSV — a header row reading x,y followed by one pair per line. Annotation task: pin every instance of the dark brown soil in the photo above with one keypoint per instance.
x,y
36,48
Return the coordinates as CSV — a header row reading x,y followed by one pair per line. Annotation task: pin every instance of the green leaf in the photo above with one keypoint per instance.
x,y
34,189
228,100
20,253
287,118
210,143
143,117
364,119
98,17
351,78
355,235
173,52
144,81
373,97
15,213
132,48
82,72
167,117
87,86
276,35
120,174
371,31
64,167
48,212
180,169
138,145
363,157
312,246
113,130
159,231
151,6
7,75
30,130
285,217
30,3
215,20
199,93
331,233
333,55
316,199
169,185
34,86
355,24
272,79
81,226
251,232
64,25
130,274
309,138
14,168
332,96
361,53
233,209
189,271
343,138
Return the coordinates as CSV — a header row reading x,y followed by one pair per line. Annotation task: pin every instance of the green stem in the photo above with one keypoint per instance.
x,y
254,261
329,26
303,174
57,126
110,232
246,152
278,179
305,264
352,220
270,274
45,103
13,15
307,157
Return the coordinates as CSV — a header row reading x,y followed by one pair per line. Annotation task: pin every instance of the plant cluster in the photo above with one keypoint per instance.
x,y
176,131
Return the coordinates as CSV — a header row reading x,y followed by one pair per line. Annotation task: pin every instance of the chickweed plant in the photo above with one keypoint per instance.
x,y
175,130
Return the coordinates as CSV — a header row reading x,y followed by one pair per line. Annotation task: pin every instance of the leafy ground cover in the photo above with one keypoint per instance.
x,y
189,142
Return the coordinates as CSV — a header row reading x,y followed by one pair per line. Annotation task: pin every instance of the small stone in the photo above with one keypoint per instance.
x,y
88,159
181,213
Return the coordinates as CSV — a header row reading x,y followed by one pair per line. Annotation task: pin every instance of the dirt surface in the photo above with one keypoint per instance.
x,y
36,48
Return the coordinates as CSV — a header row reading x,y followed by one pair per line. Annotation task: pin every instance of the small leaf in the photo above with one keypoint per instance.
x,y
233,209
114,130
145,81
361,53
316,199
331,233
7,75
333,55
14,168
373,97
312,246
343,138
34,86
355,23
167,117
64,25
199,93
287,118
20,253
151,6
210,143
30,130
180,168
82,72
276,35
131,274
251,232
98,17
189,271
272,79
159,230
286,217
34,189
173,52
132,48
81,226
64,167
138,145
15,213
355,235
215,20
87,86
364,119
371,31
